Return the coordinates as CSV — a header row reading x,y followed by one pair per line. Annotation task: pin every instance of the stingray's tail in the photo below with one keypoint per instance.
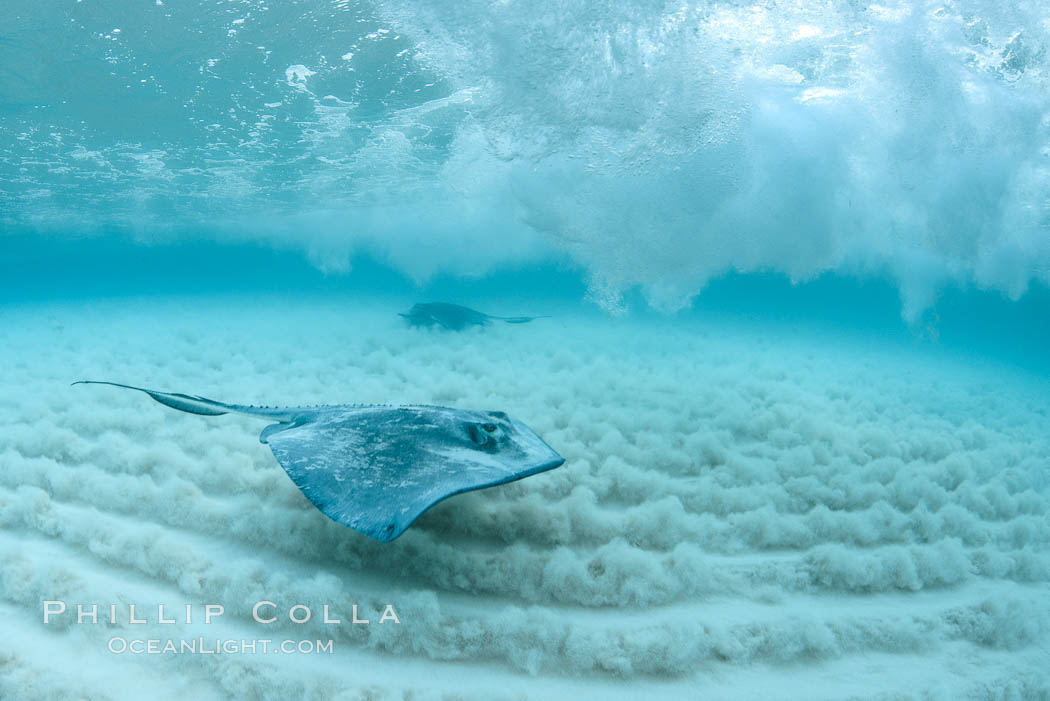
x,y
203,406
519,319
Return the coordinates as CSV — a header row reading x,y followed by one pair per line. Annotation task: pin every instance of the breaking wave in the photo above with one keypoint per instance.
x,y
654,145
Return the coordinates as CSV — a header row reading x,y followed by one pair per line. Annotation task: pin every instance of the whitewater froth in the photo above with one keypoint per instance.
x,y
654,145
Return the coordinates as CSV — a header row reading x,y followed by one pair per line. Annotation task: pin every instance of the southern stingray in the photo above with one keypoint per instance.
x,y
455,317
376,468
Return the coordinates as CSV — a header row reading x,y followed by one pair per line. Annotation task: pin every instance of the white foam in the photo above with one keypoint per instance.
x,y
653,147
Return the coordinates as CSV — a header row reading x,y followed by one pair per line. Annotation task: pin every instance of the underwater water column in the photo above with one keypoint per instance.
x,y
767,281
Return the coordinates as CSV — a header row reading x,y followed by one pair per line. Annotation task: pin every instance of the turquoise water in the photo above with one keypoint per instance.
x,y
796,263
647,153
964,321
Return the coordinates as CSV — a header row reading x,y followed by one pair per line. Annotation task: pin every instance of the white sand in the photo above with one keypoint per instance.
x,y
743,513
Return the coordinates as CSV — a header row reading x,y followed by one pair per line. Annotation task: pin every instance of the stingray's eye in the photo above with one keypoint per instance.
x,y
484,435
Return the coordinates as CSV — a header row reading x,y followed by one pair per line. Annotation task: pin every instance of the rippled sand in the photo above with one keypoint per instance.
x,y
743,513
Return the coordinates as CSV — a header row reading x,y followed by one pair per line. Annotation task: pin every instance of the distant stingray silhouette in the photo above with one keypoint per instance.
x,y
376,468
455,317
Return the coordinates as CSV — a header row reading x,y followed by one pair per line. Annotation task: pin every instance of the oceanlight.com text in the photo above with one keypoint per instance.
x,y
218,646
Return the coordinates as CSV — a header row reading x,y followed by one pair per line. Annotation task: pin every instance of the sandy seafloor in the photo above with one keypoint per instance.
x,y
745,511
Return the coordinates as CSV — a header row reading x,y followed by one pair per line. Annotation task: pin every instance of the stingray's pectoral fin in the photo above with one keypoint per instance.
x,y
182,402
343,491
341,471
